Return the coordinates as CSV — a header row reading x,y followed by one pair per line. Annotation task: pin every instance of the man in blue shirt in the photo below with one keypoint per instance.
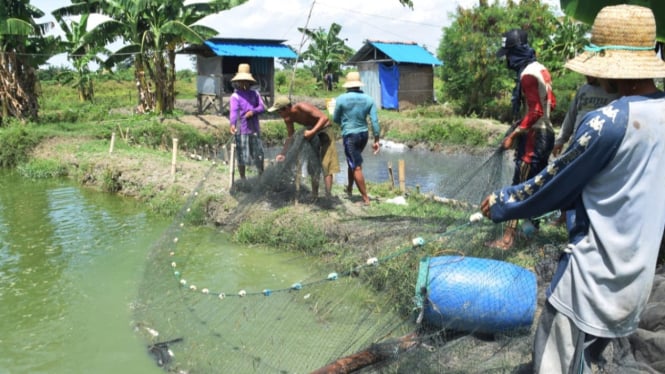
x,y
351,111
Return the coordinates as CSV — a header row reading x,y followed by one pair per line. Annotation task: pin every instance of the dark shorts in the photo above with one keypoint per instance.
x,y
354,144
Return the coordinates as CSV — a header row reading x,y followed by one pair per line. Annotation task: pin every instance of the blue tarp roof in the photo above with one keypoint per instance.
x,y
250,48
399,52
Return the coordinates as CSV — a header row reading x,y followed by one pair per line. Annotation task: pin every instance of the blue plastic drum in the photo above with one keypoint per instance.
x,y
476,294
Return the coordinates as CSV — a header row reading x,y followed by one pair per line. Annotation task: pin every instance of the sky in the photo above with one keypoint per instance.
x,y
385,20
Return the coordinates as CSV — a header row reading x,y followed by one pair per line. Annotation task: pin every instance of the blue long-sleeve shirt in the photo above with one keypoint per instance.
x,y
351,112
612,176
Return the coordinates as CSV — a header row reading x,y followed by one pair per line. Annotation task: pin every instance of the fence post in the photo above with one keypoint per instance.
x,y
173,159
402,177
112,142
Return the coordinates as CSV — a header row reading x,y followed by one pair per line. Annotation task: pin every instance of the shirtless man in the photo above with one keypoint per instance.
x,y
316,124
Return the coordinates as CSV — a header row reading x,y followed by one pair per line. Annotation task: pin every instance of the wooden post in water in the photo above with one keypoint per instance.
x,y
402,176
112,142
173,158
390,173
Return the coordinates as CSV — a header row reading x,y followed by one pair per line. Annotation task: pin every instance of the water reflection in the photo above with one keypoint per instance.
x,y
430,172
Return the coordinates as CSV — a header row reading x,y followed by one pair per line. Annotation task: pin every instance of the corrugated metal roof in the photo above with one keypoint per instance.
x,y
249,48
399,52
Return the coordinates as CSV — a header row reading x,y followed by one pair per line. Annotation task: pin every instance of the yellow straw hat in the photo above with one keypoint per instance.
x,y
352,80
280,102
623,39
243,74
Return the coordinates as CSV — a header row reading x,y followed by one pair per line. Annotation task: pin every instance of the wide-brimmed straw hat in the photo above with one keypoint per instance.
x,y
243,74
280,103
623,39
353,80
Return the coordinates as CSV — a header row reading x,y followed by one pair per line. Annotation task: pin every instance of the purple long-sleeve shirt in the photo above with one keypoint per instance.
x,y
243,101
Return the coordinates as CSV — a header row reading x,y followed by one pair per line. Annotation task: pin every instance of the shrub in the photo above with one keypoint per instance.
x,y
16,143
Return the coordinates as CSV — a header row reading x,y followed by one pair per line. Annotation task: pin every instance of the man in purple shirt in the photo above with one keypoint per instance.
x,y
245,106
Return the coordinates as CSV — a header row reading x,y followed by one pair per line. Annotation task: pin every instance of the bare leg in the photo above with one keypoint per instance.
x,y
350,178
315,186
328,180
506,242
360,182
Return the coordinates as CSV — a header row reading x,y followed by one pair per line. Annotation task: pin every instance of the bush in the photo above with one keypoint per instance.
x,y
16,143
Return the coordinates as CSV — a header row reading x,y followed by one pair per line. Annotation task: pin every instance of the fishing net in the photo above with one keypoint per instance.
x,y
463,307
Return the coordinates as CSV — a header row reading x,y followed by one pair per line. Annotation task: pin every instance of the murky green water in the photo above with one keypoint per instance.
x,y
71,261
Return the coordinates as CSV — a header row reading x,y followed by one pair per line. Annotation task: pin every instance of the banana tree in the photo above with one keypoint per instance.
x,y
326,50
151,31
23,47
82,48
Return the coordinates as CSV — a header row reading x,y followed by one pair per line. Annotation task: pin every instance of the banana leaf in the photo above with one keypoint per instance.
x,y
586,10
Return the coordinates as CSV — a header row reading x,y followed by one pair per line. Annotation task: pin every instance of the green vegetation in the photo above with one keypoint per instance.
x,y
476,83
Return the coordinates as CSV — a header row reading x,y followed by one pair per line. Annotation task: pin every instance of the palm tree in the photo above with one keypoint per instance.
x,y
23,47
326,50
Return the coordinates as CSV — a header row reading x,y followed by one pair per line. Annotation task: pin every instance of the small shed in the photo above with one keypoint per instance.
x,y
396,72
217,61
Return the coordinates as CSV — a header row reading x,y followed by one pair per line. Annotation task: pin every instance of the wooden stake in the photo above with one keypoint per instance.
x,y
402,177
174,157
112,142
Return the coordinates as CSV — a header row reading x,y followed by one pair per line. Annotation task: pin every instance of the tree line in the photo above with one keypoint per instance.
x,y
153,30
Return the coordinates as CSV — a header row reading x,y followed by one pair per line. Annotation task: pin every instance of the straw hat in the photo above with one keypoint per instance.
x,y
623,38
280,102
243,74
352,80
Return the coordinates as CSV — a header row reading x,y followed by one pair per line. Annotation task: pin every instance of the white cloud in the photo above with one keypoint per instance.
x,y
360,20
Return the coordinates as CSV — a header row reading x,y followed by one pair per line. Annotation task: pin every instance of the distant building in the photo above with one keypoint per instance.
x,y
396,72
217,61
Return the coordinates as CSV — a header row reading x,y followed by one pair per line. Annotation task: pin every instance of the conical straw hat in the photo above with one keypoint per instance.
x,y
352,80
243,74
623,39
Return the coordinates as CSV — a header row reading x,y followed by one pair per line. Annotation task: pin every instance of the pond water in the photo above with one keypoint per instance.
x,y
426,171
71,261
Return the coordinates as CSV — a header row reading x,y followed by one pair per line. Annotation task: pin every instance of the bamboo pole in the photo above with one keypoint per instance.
x,y
402,176
173,158
112,142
